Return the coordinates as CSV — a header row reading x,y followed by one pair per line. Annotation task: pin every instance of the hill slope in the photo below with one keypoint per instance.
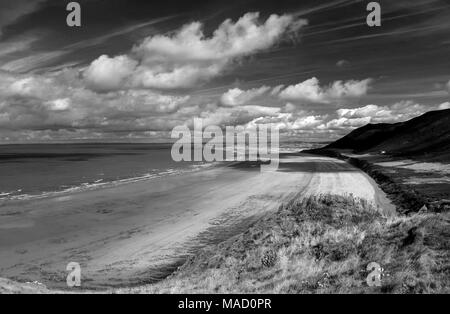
x,y
321,244
427,134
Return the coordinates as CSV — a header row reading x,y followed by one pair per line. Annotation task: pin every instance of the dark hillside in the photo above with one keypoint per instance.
x,y
428,134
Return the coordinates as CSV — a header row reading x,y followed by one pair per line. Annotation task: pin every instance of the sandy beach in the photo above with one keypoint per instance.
x,y
138,232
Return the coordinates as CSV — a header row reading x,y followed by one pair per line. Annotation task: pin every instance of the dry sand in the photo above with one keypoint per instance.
x,y
136,233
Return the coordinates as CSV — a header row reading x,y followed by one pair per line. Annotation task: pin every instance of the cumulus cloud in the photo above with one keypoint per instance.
x,y
118,94
307,90
36,102
371,111
230,40
238,97
188,57
289,122
58,104
310,90
308,122
61,105
398,112
345,123
32,86
107,73
445,105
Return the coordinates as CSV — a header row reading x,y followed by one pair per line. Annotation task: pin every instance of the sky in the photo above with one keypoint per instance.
x,y
134,70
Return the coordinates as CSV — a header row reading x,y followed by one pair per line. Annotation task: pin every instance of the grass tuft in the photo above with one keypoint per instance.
x,y
322,244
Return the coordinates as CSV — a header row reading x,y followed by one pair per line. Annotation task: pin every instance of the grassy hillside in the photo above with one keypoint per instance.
x,y
322,245
427,135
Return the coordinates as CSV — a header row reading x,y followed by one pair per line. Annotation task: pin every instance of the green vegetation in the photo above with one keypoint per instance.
x,y
322,244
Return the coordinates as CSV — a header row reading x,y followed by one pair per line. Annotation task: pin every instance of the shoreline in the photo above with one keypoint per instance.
x,y
129,232
100,184
389,173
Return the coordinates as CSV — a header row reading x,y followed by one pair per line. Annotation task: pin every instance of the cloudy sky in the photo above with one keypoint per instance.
x,y
136,69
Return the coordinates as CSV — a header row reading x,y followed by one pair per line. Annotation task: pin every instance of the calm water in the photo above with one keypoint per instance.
x,y
41,169
30,170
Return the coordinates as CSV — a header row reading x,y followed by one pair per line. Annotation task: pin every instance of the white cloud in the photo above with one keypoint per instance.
x,y
229,41
262,110
351,88
187,57
31,102
308,122
32,86
398,112
149,102
407,109
289,122
116,93
345,123
310,90
59,104
179,77
307,90
238,97
276,90
445,105
107,73
371,111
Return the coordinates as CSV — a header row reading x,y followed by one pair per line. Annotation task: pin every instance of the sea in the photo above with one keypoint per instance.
x,y
30,171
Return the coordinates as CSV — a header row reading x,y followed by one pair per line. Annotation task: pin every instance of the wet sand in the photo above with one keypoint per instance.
x,y
138,232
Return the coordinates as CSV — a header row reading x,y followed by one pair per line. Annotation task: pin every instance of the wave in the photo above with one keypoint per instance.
x,y
100,183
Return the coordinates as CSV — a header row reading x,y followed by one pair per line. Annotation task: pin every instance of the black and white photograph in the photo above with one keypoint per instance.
x,y
260,148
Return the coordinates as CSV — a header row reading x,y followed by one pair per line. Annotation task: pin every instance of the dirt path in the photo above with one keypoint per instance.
x,y
129,234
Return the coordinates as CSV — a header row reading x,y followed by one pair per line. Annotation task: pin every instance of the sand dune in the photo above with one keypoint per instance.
x,y
135,233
